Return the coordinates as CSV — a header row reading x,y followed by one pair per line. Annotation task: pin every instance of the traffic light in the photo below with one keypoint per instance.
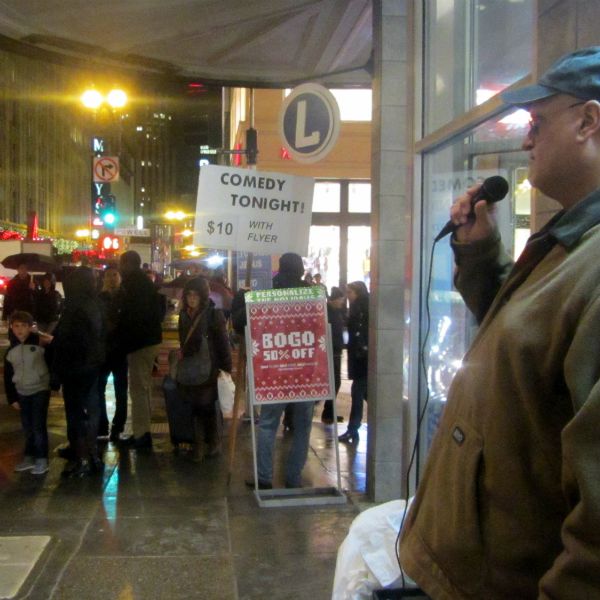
x,y
108,210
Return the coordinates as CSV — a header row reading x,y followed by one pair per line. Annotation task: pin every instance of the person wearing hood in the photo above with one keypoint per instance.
x,y
291,269
203,332
78,353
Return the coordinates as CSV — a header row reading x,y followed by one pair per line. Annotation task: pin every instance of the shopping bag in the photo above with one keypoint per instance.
x,y
226,389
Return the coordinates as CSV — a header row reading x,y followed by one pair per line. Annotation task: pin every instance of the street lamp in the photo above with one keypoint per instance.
x,y
175,215
93,99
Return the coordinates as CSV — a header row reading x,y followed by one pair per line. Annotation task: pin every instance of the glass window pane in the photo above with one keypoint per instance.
x,y
359,197
324,254
326,197
491,149
359,254
355,105
469,57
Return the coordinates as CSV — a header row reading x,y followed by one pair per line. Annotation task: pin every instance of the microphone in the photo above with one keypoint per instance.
x,y
493,189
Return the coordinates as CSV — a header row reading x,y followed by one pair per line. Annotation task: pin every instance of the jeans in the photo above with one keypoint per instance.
x,y
358,393
270,416
140,365
117,365
80,394
34,414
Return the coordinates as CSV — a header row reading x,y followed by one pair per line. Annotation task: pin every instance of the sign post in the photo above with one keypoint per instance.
x,y
289,356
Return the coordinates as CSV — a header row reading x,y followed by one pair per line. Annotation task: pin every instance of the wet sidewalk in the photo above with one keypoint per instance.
x,y
157,525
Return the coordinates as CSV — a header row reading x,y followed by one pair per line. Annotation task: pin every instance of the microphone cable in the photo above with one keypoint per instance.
x,y
421,416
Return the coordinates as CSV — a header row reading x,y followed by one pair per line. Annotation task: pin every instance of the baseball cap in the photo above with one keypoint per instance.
x,y
576,74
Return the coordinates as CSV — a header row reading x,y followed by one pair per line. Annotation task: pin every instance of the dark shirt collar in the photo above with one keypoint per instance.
x,y
568,226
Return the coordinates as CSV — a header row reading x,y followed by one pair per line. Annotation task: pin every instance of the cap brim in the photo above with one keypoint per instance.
x,y
526,95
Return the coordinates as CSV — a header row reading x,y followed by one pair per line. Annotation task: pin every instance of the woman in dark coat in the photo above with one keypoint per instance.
x,y
47,304
79,352
111,297
336,315
204,398
358,340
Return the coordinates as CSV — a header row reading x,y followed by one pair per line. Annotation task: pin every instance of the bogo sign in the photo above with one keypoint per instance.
x,y
288,346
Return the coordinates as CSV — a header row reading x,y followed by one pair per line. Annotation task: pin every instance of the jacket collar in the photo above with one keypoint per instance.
x,y
568,226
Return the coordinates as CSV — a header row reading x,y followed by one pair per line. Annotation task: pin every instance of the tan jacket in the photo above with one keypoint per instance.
x,y
509,503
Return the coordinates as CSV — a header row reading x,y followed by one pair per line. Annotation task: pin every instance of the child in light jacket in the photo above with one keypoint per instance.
x,y
27,385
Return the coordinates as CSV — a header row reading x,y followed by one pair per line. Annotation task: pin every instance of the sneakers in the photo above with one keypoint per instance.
x,y
37,466
40,467
27,464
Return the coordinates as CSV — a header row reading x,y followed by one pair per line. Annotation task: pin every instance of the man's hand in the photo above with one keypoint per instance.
x,y
471,229
16,406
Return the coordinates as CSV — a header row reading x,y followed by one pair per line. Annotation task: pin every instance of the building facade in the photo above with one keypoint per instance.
x,y
44,152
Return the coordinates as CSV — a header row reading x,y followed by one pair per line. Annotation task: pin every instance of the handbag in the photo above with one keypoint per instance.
x,y
226,389
194,369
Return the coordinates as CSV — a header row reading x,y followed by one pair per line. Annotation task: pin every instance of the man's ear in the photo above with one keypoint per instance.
x,y
590,123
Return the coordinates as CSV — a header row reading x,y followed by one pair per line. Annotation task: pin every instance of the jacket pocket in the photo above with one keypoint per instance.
x,y
448,518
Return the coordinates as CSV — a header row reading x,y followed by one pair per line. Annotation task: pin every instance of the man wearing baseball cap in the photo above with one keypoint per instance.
x,y
509,504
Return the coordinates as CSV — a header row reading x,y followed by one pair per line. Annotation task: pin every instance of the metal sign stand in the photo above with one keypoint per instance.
x,y
280,497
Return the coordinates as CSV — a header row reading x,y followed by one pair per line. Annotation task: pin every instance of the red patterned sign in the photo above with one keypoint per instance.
x,y
288,345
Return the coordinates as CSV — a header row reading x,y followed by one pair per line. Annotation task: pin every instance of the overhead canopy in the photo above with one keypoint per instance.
x,y
255,43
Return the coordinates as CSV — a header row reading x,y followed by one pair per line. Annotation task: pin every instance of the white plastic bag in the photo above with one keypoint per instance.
x,y
366,559
226,389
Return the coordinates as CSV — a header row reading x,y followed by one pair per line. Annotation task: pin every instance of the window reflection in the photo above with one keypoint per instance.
x,y
469,57
494,148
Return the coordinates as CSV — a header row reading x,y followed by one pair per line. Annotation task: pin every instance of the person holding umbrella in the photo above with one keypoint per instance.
x,y
19,293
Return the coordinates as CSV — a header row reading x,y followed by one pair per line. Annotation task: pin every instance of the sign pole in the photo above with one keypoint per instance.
x,y
240,383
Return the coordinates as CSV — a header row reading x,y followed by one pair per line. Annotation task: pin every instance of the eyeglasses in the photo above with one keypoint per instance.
x,y
534,124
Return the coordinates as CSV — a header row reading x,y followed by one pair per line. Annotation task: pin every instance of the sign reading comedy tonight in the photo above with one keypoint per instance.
x,y
252,211
287,345
309,122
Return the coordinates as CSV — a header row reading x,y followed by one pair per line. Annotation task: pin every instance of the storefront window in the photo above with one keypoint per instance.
x,y
359,254
324,254
475,49
494,148
359,197
326,197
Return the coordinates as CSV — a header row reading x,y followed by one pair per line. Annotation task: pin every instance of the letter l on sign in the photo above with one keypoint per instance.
x,y
303,140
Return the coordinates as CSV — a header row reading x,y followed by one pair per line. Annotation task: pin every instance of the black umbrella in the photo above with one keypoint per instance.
x,y
188,263
178,282
35,262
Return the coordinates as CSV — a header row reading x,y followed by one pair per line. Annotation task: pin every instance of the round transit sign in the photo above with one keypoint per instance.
x,y
309,122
